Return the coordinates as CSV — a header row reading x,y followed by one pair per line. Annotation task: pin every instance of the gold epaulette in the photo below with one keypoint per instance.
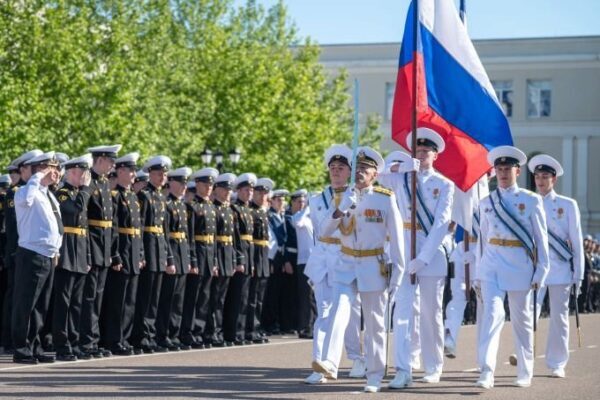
x,y
382,190
114,192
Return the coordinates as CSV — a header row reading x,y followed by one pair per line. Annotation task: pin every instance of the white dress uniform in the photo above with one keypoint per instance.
x,y
364,230
563,220
437,193
320,270
505,267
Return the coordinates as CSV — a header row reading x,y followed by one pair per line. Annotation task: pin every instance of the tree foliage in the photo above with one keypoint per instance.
x,y
169,77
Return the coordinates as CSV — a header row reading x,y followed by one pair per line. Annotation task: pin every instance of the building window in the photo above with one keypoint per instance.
x,y
539,98
504,93
390,89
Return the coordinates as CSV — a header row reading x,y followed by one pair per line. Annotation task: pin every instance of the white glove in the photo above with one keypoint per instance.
x,y
392,289
476,285
536,281
577,282
348,201
416,265
469,257
409,166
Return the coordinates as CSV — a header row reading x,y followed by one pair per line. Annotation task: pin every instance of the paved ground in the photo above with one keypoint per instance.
x,y
276,370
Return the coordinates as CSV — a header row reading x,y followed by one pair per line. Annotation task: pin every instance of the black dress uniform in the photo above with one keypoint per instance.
x,y
196,306
170,306
69,277
226,259
128,251
237,294
156,251
260,274
3,272
102,232
288,312
271,310
10,248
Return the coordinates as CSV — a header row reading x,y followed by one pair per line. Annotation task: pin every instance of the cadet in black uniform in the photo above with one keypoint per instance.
x,y
181,236
5,183
226,259
75,259
11,244
127,259
260,273
237,294
156,252
101,231
196,302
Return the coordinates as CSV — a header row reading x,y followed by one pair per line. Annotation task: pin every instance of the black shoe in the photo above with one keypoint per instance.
x,y
66,357
137,351
259,341
86,355
174,347
160,349
198,345
186,347
228,344
121,351
240,343
24,359
43,358
104,352
305,335
218,344
207,345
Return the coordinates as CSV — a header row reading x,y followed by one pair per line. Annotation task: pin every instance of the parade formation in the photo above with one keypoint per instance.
x,y
95,268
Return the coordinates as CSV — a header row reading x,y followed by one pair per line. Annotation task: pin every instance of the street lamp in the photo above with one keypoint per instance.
x,y
207,156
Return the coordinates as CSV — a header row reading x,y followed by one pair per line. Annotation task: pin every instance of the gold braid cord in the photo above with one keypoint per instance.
x,y
346,230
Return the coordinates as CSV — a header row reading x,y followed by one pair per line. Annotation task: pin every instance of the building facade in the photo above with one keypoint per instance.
x,y
549,88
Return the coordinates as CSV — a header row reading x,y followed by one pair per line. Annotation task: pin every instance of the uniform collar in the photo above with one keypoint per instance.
x,y
172,197
367,190
241,203
551,195
426,172
152,187
510,189
67,185
122,189
201,199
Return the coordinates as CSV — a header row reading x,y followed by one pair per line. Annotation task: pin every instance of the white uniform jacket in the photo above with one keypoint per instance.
x,y
562,217
375,217
510,266
326,253
438,193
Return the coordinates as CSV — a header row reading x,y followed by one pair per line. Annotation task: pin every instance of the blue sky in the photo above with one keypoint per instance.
x,y
368,21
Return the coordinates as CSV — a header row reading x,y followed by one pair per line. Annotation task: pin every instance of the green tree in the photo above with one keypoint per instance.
x,y
170,77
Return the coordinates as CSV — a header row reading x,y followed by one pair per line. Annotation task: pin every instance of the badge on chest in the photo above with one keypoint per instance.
x,y
373,215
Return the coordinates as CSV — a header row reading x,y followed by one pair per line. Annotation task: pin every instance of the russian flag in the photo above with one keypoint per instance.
x,y
454,94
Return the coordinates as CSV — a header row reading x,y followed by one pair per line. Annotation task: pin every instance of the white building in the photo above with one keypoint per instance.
x,y
550,89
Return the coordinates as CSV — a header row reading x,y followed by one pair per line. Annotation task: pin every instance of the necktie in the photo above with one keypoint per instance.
x,y
61,228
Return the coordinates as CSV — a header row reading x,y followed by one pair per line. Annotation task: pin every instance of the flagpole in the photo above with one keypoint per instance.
x,y
466,236
413,146
355,135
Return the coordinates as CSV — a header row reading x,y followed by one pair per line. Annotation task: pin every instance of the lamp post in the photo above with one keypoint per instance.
x,y
207,156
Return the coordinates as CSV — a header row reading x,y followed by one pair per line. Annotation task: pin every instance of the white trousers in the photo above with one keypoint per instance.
x,y
415,334
455,312
557,346
431,292
373,305
323,297
521,316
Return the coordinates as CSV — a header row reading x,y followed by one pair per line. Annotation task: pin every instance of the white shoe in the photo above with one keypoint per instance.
x,y
359,369
558,373
401,380
325,367
315,378
512,360
486,380
373,386
432,378
522,382
415,363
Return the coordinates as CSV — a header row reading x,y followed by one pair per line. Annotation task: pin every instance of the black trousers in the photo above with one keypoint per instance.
x,y
66,316
307,306
7,305
272,303
119,308
288,311
32,290
236,304
148,294
91,307
196,306
256,294
170,309
214,326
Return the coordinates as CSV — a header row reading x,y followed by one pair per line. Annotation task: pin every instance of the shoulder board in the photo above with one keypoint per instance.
x,y
114,192
16,188
382,190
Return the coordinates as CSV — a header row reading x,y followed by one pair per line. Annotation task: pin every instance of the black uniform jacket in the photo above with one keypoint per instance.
x,y
101,228
260,235
181,234
205,228
244,226
74,251
155,230
127,248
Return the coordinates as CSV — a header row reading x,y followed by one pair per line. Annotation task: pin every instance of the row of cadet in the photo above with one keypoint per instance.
x,y
95,265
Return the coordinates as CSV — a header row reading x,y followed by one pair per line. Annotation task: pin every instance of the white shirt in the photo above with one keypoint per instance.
x,y
511,267
563,219
304,234
36,223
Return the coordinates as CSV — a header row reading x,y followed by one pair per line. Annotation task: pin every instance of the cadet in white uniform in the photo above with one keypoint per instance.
x,y
365,217
513,260
434,210
566,259
322,264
